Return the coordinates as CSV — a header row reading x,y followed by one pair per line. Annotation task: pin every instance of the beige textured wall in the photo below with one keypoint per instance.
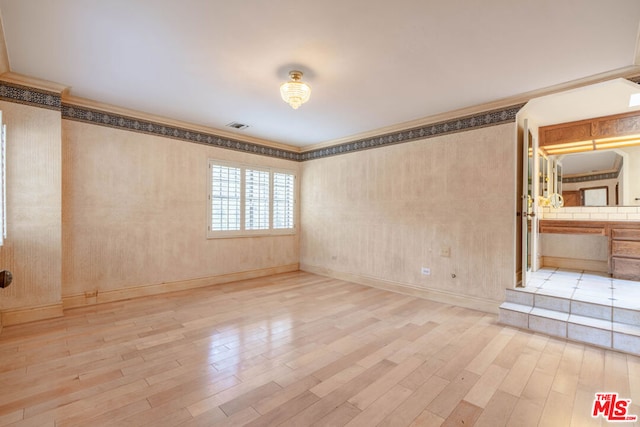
x,y
32,251
134,213
4,58
384,213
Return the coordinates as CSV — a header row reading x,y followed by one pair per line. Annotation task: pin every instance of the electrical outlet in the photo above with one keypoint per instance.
x,y
426,271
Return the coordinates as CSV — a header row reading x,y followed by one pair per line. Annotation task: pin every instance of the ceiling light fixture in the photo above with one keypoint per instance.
x,y
295,92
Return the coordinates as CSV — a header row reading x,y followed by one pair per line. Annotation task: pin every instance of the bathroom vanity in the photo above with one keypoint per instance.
x,y
623,242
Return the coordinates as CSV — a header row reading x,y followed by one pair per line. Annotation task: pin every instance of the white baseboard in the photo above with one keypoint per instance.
x,y
474,303
99,297
17,316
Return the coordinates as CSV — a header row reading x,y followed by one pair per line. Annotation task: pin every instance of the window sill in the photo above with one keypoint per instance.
x,y
243,234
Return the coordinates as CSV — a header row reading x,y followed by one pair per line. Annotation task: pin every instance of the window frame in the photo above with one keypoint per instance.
x,y
243,232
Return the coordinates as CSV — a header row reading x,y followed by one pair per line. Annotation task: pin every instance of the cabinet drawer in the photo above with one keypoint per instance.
x,y
625,234
627,249
626,268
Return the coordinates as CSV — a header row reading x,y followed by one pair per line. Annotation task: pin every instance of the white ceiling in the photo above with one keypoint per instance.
x,y
596,100
370,63
588,162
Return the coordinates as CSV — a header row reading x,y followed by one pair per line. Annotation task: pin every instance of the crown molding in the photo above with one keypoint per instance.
x,y
141,123
629,72
108,108
25,90
18,88
27,95
33,83
446,127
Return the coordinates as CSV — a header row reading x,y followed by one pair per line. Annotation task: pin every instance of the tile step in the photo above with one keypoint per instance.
x,y
605,333
607,311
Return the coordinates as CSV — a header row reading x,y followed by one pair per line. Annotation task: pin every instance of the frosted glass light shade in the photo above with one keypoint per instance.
x,y
294,92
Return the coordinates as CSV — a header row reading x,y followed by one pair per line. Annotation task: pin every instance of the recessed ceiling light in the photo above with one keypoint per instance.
x,y
634,100
237,125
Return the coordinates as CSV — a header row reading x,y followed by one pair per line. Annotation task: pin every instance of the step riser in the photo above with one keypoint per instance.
x,y
552,303
557,328
588,309
625,315
581,308
610,338
590,335
519,297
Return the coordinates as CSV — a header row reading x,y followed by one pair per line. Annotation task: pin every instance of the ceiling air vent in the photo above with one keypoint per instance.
x,y
237,125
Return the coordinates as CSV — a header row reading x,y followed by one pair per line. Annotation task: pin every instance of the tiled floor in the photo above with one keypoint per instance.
x,y
584,286
578,305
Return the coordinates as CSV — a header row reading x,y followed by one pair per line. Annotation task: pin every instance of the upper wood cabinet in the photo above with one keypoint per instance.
x,y
583,130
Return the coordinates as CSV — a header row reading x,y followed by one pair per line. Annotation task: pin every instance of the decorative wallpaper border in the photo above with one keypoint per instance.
x,y
476,121
40,98
86,115
30,96
490,118
594,177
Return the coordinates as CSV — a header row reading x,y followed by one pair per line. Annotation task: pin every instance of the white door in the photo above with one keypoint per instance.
x,y
528,202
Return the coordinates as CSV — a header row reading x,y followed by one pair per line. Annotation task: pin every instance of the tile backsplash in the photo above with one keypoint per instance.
x,y
593,213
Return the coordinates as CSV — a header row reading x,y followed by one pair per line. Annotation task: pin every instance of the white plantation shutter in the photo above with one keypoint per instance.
x,y
249,201
256,211
225,198
283,192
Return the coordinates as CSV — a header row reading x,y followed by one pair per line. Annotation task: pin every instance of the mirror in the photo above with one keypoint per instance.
x,y
598,178
550,180
543,175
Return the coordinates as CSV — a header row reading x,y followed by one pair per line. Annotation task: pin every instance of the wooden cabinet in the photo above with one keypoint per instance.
x,y
625,253
616,125
624,242
571,198
573,227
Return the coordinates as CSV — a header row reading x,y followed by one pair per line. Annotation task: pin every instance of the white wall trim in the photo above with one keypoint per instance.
x,y
16,316
474,303
99,297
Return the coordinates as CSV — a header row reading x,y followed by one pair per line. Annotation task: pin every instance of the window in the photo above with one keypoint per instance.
x,y
283,200
256,190
246,200
225,198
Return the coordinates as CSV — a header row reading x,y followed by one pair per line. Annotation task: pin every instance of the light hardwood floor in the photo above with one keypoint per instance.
x,y
298,349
